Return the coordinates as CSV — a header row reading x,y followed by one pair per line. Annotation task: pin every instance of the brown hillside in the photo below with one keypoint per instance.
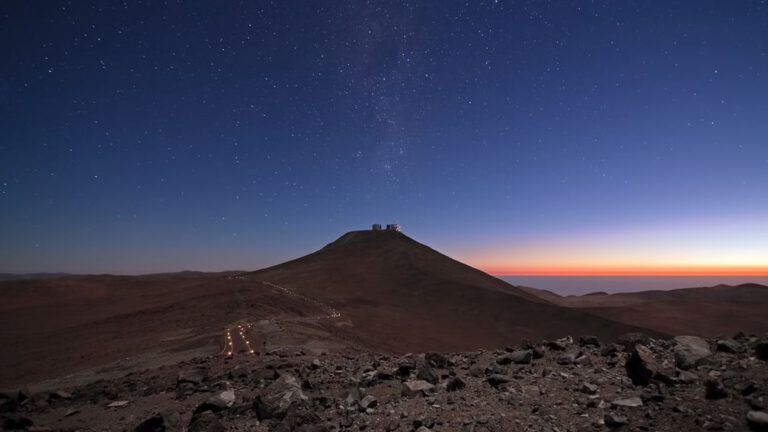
x,y
404,296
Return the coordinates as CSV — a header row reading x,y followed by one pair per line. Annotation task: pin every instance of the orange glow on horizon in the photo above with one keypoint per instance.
x,y
628,271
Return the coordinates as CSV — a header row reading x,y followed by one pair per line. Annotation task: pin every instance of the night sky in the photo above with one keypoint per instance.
x,y
518,136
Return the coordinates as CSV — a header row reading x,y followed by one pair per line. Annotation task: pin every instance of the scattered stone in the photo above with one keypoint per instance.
x,y
218,402
521,356
205,422
588,388
437,360
454,384
614,421
497,380
280,396
714,389
628,402
428,374
70,412
691,351
118,404
165,421
416,387
315,364
568,358
640,365
758,421
368,402
729,346
589,340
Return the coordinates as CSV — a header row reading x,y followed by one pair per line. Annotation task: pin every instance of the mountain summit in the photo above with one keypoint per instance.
x,y
402,295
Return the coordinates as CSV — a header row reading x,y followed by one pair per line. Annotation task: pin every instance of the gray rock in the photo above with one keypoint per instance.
x,y
427,374
497,380
729,346
629,402
588,388
279,397
368,402
589,340
437,360
757,420
521,356
416,387
353,397
614,421
691,351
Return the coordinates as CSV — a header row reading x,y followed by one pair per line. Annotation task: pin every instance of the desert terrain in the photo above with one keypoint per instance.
x,y
374,331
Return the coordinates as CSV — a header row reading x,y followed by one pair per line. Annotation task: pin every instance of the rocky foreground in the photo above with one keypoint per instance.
x,y
682,384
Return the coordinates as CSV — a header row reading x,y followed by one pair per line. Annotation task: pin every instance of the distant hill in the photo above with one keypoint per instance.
x,y
405,296
706,311
20,276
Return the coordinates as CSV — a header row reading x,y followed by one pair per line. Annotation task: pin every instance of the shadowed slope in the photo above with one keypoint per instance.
x,y
404,296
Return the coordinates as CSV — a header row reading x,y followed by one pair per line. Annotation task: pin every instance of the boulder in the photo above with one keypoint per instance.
x,y
640,365
427,374
165,421
589,340
758,421
217,402
279,397
588,388
353,397
729,346
521,356
368,402
497,380
631,402
691,351
437,360
416,387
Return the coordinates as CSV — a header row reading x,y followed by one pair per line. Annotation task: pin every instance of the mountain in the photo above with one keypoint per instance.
x,y
19,276
705,311
401,295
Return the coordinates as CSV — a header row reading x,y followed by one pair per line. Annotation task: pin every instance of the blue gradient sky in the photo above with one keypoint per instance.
x,y
521,137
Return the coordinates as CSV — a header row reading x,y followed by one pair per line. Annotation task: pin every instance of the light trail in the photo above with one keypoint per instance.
x,y
243,327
